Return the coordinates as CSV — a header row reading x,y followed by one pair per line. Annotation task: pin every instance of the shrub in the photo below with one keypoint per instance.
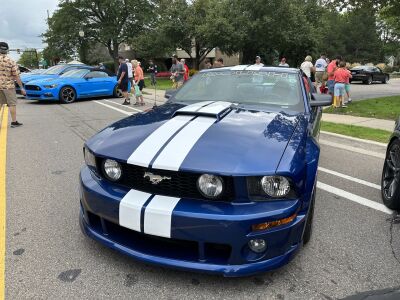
x,y
369,64
355,65
193,72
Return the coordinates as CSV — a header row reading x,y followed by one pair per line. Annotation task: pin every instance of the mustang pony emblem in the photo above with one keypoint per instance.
x,y
155,179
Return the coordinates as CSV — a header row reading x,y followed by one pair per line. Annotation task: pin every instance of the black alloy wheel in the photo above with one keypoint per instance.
x,y
386,79
67,95
117,92
390,186
369,80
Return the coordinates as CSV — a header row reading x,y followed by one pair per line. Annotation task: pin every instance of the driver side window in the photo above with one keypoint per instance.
x,y
96,74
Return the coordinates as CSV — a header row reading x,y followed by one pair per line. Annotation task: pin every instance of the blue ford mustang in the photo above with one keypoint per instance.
x,y
220,179
53,72
72,85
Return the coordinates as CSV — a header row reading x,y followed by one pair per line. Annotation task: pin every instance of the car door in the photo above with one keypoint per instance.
x,y
379,75
99,84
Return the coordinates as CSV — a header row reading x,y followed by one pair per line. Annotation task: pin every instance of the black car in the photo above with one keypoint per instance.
x,y
368,74
390,183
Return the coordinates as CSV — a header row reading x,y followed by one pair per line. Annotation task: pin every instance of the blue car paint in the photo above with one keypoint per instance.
x,y
85,88
244,142
27,77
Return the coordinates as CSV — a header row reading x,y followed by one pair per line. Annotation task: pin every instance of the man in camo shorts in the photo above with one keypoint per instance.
x,y
9,73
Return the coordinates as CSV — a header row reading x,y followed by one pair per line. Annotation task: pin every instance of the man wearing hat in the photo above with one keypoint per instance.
x,y
9,73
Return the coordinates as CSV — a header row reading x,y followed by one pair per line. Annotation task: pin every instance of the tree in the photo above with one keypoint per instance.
x,y
109,23
30,58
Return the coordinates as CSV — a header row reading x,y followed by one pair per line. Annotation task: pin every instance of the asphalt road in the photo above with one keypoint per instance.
x,y
355,245
360,91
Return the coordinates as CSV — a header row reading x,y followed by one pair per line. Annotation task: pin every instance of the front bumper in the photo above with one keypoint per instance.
x,y
206,236
44,94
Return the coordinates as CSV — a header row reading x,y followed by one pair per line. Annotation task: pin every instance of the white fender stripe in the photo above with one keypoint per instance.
x,y
146,151
130,209
158,216
216,107
178,148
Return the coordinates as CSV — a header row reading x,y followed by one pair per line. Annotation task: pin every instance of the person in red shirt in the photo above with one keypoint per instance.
x,y
332,66
340,76
186,75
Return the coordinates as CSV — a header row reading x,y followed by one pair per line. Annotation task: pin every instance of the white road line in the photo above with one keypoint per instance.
x,y
344,176
114,108
126,106
354,138
352,149
354,198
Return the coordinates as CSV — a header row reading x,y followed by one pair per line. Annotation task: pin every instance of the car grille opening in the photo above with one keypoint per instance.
x,y
30,87
181,184
159,246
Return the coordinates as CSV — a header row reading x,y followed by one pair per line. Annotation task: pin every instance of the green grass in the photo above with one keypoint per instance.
x,y
380,108
366,133
162,83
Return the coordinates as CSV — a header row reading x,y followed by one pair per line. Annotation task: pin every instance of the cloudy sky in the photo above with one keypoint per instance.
x,y
22,22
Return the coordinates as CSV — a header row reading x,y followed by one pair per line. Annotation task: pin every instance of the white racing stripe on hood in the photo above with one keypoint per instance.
x,y
130,209
194,107
146,151
215,108
178,148
158,216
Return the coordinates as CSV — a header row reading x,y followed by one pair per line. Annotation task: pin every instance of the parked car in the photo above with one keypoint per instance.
x,y
72,85
368,74
390,183
219,179
52,72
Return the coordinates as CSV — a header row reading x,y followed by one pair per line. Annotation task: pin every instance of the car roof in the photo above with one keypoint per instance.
x,y
254,68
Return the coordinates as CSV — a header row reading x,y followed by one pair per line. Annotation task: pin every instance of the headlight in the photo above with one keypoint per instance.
x,y
275,186
112,169
50,86
210,186
90,159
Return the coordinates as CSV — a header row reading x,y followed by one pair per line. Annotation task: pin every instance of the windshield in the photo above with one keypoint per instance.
x,y
54,70
77,73
279,89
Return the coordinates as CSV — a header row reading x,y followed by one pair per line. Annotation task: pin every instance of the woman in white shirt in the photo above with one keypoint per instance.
x,y
307,66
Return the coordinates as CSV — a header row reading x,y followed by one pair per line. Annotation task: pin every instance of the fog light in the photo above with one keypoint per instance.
x,y
258,245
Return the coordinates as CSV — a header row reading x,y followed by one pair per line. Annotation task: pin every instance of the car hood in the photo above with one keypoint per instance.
x,y
235,141
29,78
47,81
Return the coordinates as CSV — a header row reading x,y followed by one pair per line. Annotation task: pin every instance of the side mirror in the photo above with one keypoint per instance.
x,y
320,100
170,93
88,77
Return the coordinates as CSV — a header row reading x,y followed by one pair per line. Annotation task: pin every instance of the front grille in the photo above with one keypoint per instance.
x,y
30,87
181,184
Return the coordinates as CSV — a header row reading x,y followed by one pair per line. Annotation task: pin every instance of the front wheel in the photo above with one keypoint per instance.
x,y
309,222
369,80
386,79
67,95
390,187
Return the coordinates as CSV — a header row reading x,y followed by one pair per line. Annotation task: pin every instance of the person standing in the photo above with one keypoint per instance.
x,y
219,63
139,81
186,75
123,80
347,85
9,73
307,66
177,71
258,62
153,72
320,69
208,64
331,71
340,76
283,63
130,75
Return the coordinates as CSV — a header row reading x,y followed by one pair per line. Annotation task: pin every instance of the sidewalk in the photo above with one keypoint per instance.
x,y
387,125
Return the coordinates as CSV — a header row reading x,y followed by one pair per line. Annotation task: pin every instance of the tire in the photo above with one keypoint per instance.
x,y
67,95
368,81
386,79
117,92
390,182
309,223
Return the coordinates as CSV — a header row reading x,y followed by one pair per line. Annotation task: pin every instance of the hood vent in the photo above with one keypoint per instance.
x,y
211,109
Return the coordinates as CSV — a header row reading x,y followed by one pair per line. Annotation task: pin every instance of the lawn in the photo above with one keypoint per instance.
x,y
162,83
381,108
357,131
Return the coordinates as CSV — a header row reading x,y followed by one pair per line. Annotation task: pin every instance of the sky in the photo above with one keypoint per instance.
x,y
23,21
